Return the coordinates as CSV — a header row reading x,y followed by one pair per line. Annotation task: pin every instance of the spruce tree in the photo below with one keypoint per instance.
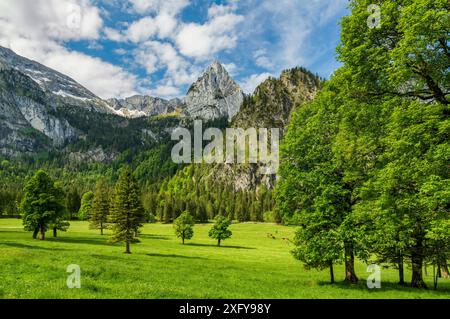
x,y
100,206
127,213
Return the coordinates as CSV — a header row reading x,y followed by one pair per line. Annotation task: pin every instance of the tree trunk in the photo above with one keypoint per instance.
x,y
218,242
417,279
42,235
35,233
127,247
55,232
101,229
445,270
350,274
401,273
331,273
182,239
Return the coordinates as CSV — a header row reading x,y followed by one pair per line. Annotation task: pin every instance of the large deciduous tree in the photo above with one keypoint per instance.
x,y
42,205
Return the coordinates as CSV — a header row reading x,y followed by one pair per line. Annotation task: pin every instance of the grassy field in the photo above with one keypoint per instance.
x,y
249,265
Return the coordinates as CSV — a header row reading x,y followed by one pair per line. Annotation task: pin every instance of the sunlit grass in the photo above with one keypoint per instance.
x,y
249,265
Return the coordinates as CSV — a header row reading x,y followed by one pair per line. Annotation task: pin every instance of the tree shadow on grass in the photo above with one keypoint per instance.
x,y
385,286
219,247
81,240
17,245
151,236
173,256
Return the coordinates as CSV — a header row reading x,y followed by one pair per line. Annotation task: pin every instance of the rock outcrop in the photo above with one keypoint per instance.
x,y
214,95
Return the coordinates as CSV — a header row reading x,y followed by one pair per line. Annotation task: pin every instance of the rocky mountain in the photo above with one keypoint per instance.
x,y
42,109
214,95
270,106
144,105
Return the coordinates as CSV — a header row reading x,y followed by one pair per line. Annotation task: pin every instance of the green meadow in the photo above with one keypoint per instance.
x,y
250,264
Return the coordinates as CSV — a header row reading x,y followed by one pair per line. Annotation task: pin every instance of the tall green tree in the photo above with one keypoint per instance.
x,y
100,206
183,226
405,54
42,204
220,229
127,213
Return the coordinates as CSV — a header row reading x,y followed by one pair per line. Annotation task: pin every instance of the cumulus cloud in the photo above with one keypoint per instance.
x,y
249,84
38,29
204,40
157,6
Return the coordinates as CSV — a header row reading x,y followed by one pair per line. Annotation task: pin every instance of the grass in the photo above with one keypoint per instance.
x,y
248,265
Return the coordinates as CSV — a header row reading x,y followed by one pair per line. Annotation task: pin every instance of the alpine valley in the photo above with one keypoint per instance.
x,y
48,120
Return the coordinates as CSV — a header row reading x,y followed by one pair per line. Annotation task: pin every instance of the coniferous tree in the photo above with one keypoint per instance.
x,y
127,213
100,206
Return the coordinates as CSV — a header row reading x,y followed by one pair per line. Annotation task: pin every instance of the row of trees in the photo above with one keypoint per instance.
x,y
43,208
364,167
184,228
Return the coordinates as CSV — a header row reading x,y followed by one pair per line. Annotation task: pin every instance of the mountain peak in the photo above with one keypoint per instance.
x,y
214,95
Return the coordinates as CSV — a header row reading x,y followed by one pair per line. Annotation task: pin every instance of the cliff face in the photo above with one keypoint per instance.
x,y
30,97
214,95
270,106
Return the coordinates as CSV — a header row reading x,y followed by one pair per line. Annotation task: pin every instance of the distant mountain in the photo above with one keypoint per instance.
x,y
270,106
214,95
144,105
42,109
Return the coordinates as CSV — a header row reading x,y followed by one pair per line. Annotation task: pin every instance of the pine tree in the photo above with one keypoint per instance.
x,y
100,206
127,213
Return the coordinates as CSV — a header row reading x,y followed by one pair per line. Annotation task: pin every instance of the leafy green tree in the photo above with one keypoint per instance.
x,y
42,204
406,54
127,213
183,226
220,229
86,206
100,206
410,191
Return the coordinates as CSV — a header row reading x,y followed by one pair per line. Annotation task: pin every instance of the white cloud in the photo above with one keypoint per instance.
x,y
152,6
166,91
204,40
37,29
249,84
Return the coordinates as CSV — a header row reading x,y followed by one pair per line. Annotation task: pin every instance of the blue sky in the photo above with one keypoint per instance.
x,y
159,47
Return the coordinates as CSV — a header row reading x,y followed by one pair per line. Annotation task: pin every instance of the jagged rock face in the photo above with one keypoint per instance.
x,y
27,117
60,87
143,105
214,95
